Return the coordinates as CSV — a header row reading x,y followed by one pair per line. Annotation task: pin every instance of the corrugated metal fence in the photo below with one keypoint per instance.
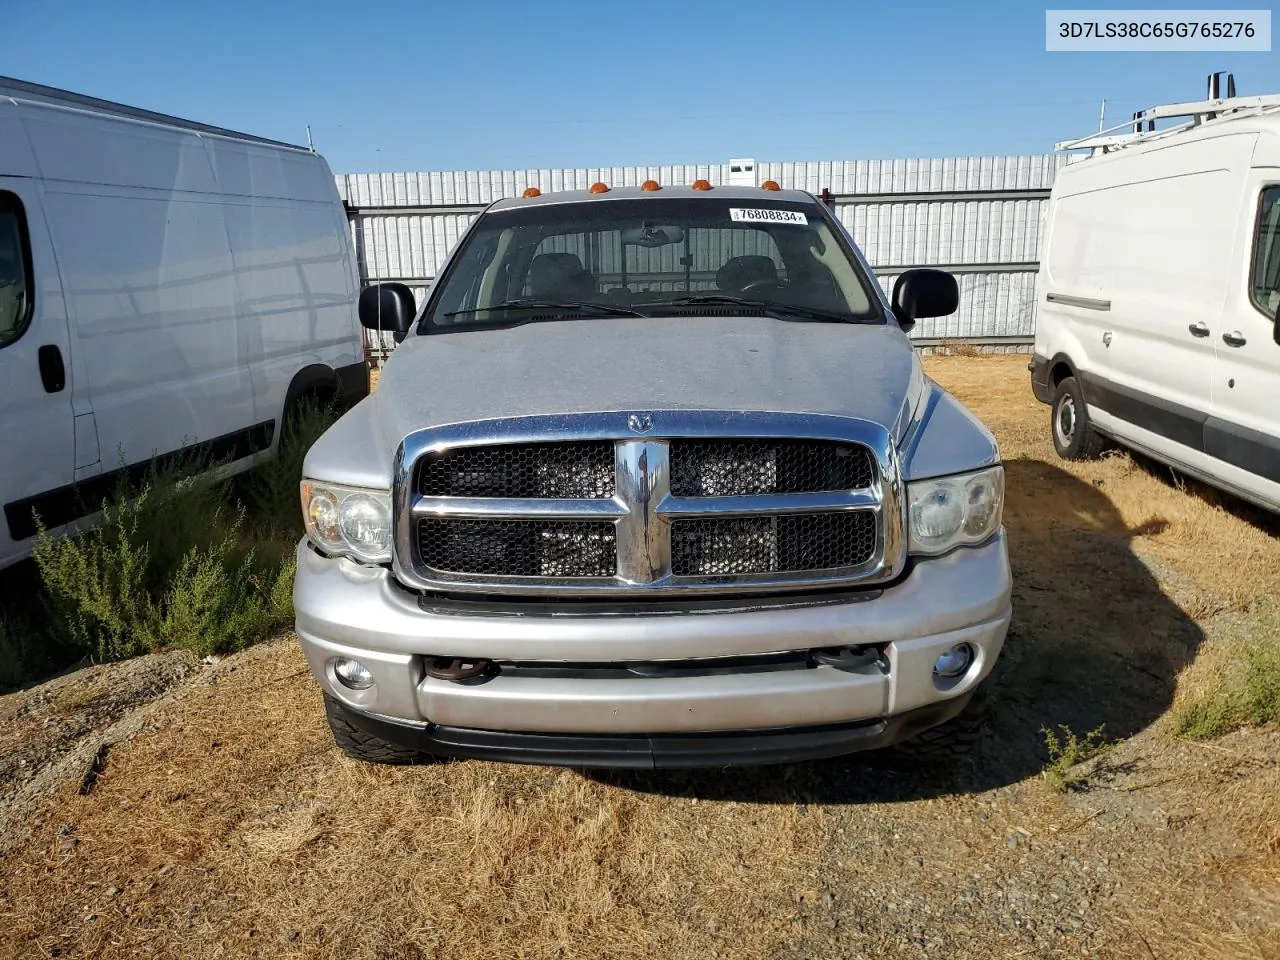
x,y
979,217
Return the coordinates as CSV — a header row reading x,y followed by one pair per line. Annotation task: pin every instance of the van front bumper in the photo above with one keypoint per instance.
x,y
663,689
1041,380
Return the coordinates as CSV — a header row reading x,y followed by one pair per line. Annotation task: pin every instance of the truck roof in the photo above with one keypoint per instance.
x,y
635,193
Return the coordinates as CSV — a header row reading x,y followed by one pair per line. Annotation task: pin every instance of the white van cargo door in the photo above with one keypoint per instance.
x,y
1142,261
151,296
1243,434
37,433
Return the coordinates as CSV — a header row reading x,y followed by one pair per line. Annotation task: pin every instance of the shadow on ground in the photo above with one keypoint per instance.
x,y
1095,641
1238,508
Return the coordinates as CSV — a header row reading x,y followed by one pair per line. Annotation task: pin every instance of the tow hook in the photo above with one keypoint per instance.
x,y
456,669
853,659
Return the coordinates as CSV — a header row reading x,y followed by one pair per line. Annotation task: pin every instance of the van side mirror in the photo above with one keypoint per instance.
x,y
387,306
924,292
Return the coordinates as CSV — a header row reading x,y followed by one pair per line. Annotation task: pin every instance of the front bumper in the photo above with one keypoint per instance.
x,y
1041,379
661,751
737,692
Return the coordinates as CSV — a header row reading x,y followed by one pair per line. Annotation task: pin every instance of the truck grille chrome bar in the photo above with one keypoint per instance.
x,y
706,502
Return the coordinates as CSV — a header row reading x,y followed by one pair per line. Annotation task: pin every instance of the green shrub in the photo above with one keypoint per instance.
x,y
270,490
1246,694
217,604
1068,750
100,583
183,559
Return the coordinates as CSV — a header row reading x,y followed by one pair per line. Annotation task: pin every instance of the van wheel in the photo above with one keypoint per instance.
x,y
358,745
313,401
1073,436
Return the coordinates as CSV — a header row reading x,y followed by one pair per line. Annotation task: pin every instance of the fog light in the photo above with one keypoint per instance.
x,y
954,662
352,674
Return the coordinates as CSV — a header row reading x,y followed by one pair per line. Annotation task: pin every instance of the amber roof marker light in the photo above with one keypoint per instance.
x,y
702,184
599,188
532,192
650,185
770,185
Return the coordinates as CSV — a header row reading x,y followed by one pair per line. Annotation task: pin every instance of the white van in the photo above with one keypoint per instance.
x,y
164,286
1158,287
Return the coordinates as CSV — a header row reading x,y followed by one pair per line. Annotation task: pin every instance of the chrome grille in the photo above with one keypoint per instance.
x,y
738,546
573,471
700,501
518,548
728,468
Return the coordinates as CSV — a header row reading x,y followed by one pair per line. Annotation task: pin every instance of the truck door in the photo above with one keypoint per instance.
x,y
37,426
1242,435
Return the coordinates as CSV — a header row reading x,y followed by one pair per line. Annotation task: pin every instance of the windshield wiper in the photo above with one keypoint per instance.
x,y
607,309
778,311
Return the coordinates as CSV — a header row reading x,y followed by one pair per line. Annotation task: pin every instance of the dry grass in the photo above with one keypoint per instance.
x,y
233,828
220,837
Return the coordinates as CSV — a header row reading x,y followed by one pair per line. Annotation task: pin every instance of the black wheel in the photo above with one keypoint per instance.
x,y
1073,436
312,403
956,738
359,745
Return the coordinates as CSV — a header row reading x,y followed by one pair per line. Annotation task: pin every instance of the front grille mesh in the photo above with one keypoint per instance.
x,y
532,545
738,546
727,468
519,548
569,471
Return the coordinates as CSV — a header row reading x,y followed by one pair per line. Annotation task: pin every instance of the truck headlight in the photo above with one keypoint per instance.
x,y
954,511
353,521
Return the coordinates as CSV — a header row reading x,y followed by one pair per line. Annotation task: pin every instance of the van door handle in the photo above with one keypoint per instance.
x,y
1198,329
1106,339
1233,339
53,374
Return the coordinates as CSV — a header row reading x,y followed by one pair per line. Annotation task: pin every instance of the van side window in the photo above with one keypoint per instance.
x,y
15,271
1265,279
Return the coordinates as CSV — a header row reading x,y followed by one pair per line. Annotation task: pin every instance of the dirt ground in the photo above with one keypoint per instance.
x,y
169,808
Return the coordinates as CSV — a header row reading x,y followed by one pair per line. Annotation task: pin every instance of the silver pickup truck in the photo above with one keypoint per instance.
x,y
653,479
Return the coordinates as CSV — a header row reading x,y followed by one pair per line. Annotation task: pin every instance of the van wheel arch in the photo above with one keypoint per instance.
x,y
316,384
1061,367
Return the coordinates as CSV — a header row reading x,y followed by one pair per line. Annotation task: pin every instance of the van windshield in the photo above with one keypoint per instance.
x,y
652,257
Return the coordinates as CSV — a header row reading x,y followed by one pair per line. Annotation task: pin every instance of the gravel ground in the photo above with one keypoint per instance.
x,y
166,807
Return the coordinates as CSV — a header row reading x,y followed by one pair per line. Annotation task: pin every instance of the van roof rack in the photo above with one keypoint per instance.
x,y
1143,125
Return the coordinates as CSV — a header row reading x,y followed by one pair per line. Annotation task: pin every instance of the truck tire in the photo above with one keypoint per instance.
x,y
1073,435
957,737
359,745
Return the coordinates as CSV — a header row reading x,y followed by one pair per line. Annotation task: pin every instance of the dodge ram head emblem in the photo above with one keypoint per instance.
x,y
640,423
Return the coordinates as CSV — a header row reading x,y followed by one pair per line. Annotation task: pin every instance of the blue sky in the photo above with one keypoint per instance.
x,y
456,85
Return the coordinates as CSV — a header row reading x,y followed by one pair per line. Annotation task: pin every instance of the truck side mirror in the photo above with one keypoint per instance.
x,y
924,292
387,306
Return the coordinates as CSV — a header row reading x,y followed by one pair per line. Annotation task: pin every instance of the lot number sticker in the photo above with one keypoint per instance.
x,y
752,215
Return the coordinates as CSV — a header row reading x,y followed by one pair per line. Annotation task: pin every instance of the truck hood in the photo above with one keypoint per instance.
x,y
666,363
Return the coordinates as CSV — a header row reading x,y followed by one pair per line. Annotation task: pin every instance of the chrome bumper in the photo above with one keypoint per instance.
x,y
344,609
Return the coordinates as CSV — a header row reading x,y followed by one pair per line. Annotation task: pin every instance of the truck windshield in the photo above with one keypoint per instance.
x,y
653,257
